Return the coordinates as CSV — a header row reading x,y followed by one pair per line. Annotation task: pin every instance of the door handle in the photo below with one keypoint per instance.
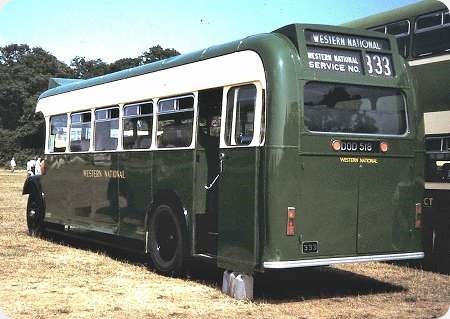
x,y
222,156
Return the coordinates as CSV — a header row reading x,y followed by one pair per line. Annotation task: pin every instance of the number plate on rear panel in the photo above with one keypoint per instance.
x,y
360,146
310,247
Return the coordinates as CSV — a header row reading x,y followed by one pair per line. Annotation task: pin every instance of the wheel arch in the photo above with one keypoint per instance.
x,y
172,198
169,197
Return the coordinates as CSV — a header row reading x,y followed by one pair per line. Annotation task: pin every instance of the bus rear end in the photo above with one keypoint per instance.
x,y
358,163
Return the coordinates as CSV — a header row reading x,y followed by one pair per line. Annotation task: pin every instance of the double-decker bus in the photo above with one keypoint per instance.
x,y
423,35
300,147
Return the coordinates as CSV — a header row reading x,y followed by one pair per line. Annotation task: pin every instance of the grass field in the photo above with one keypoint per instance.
x,y
51,278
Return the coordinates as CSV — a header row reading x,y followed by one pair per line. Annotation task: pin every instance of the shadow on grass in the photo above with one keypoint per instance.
x,y
270,287
92,244
317,283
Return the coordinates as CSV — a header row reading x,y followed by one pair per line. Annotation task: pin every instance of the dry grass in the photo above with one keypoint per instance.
x,y
45,279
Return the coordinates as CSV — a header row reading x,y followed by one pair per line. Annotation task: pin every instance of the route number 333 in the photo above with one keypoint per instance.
x,y
379,65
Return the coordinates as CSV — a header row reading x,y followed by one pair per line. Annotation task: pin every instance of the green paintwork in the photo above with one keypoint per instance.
x,y
431,82
431,79
238,224
98,203
349,209
55,82
398,14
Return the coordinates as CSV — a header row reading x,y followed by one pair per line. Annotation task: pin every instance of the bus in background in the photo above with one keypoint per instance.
x,y
423,35
296,148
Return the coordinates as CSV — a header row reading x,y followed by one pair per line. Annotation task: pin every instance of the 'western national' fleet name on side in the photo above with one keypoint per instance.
x,y
346,41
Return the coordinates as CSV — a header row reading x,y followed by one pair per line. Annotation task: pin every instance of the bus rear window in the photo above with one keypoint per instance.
x,y
354,109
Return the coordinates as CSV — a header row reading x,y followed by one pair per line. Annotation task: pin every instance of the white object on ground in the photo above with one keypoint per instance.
x,y
237,285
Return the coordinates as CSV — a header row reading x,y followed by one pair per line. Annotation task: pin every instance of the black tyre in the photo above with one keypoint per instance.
x,y
35,216
167,240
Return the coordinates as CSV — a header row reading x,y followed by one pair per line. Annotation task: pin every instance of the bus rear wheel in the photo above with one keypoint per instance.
x,y
35,216
167,240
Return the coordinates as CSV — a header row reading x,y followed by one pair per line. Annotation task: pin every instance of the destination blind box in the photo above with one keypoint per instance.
x,y
359,55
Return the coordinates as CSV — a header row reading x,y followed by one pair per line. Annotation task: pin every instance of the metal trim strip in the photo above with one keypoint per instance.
x,y
339,260
431,185
434,59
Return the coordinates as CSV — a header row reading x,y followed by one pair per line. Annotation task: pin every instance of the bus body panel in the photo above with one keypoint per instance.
x,y
135,193
115,190
386,206
94,202
432,90
57,197
361,208
173,173
238,209
329,219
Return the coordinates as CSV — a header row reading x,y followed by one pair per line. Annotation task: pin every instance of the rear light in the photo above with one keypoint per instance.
x,y
336,145
418,215
384,147
290,225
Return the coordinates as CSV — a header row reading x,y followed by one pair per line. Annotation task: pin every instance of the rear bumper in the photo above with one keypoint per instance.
x,y
339,260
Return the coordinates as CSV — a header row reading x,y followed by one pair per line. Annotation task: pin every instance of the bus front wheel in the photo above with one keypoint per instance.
x,y
35,216
167,240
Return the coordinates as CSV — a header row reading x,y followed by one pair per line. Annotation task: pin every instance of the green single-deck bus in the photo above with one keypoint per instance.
x,y
300,147
423,34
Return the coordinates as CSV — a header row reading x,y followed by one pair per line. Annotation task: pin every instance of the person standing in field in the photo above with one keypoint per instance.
x,y
30,168
37,169
33,162
13,164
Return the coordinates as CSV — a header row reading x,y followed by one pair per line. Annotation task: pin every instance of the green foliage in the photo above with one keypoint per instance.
x,y
123,64
85,69
24,75
157,53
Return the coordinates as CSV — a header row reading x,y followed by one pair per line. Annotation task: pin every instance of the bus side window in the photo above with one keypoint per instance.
x,y
58,134
80,132
137,126
381,29
106,129
175,122
432,34
401,30
240,115
437,167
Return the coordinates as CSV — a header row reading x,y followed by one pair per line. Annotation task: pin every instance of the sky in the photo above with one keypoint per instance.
x,y
114,29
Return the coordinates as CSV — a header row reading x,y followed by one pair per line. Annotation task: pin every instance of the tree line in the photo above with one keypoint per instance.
x,y
24,75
